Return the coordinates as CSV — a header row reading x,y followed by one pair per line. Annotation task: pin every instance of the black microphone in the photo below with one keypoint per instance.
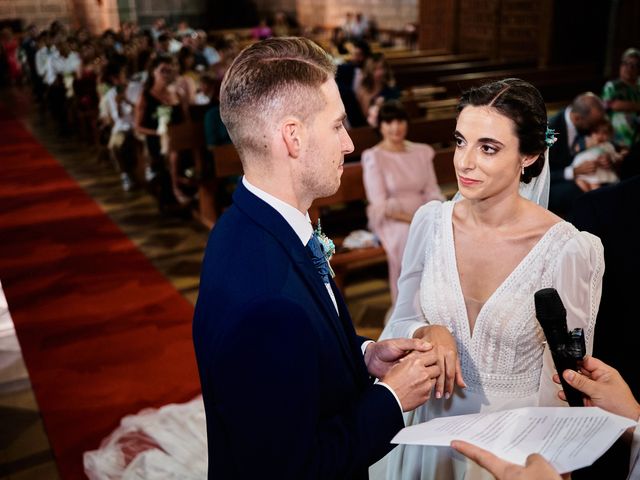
x,y
567,348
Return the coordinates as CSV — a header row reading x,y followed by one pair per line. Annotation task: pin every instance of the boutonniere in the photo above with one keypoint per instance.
x,y
327,245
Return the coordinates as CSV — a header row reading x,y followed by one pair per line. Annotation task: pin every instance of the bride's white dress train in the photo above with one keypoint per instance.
x,y
166,443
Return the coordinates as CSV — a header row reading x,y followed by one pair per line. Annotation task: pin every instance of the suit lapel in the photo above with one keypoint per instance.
x,y
272,222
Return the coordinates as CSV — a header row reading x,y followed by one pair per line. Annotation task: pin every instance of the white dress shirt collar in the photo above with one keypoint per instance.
x,y
301,223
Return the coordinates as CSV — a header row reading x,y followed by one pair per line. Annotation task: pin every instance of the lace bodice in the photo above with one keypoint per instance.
x,y
505,354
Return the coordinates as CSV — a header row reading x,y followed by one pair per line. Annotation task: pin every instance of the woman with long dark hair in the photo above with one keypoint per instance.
x,y
160,105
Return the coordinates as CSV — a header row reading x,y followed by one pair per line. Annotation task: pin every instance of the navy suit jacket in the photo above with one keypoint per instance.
x,y
286,392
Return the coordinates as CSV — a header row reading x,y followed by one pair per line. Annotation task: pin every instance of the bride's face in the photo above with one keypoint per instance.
x,y
487,158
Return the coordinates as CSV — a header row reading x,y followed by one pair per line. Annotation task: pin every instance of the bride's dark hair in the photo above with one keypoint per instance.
x,y
522,103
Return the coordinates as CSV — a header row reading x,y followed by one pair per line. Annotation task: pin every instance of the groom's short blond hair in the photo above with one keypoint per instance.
x,y
269,80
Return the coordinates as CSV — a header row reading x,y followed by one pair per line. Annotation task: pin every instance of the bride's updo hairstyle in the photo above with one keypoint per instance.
x,y
522,103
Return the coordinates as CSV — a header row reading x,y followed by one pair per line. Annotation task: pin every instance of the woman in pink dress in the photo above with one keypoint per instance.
x,y
398,177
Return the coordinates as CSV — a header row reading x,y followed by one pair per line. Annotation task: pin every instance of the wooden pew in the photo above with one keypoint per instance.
x,y
425,74
395,52
190,136
555,83
402,63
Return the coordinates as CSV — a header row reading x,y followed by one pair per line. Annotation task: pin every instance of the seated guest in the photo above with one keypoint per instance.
x,y
604,153
377,82
261,31
348,78
215,133
188,81
158,106
398,178
571,126
227,49
122,146
622,98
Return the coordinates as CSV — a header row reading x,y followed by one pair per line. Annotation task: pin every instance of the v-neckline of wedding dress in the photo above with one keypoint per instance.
x,y
459,295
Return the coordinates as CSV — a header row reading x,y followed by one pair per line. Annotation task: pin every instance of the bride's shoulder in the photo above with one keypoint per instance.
x,y
542,217
431,211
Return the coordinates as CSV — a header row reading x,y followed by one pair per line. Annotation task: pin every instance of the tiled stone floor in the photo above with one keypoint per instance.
x,y
173,245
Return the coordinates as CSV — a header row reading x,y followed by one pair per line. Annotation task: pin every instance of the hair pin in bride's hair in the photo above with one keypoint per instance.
x,y
550,137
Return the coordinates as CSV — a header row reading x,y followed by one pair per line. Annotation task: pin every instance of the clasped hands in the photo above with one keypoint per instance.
x,y
412,367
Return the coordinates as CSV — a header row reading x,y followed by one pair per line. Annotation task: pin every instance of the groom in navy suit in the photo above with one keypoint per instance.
x,y
290,391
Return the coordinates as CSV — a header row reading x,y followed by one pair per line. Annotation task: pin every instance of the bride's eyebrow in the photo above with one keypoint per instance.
x,y
490,140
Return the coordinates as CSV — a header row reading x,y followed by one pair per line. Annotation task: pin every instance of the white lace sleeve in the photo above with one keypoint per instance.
x,y
407,315
578,280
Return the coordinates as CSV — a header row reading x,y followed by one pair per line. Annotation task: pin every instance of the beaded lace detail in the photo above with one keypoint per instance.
x,y
504,354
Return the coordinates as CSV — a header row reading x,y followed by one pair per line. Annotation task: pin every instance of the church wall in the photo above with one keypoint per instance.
x,y
96,15
40,12
388,13
499,28
173,11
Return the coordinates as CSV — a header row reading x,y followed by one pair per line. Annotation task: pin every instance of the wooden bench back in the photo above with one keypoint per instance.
x,y
423,74
400,63
555,83
186,136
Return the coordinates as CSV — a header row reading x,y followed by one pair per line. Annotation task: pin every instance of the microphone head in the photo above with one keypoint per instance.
x,y
550,311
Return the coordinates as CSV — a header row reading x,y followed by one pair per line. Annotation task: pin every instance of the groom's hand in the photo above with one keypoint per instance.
x,y
412,378
381,356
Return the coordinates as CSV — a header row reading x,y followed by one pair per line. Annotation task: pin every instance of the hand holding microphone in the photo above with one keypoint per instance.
x,y
567,347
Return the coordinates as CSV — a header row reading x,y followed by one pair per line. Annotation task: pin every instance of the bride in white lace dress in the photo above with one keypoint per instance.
x,y
471,268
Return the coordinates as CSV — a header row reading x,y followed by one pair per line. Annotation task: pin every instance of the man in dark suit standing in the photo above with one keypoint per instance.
x,y
290,391
571,126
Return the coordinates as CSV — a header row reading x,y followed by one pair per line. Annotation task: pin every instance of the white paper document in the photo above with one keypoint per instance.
x,y
569,438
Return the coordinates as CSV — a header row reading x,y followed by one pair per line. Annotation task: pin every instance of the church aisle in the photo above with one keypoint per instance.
x,y
103,333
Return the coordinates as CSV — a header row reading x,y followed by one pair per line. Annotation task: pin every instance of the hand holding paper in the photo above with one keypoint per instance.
x,y
536,467
569,438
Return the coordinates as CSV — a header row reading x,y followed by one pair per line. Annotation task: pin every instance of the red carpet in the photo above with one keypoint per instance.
x,y
103,333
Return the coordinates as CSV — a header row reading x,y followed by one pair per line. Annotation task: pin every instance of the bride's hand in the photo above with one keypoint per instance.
x,y
444,345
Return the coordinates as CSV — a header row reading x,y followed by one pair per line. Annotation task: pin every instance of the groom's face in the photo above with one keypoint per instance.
x,y
327,144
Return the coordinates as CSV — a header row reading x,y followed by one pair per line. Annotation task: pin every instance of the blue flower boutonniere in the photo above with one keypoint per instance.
x,y
328,247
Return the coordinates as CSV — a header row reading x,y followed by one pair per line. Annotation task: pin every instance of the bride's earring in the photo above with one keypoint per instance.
x,y
523,169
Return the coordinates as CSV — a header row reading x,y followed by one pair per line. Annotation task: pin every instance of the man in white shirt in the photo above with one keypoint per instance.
x,y
290,391
62,68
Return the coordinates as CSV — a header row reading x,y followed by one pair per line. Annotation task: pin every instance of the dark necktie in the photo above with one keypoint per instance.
x,y
319,261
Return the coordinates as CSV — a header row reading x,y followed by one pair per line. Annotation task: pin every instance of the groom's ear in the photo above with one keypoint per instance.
x,y
292,135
